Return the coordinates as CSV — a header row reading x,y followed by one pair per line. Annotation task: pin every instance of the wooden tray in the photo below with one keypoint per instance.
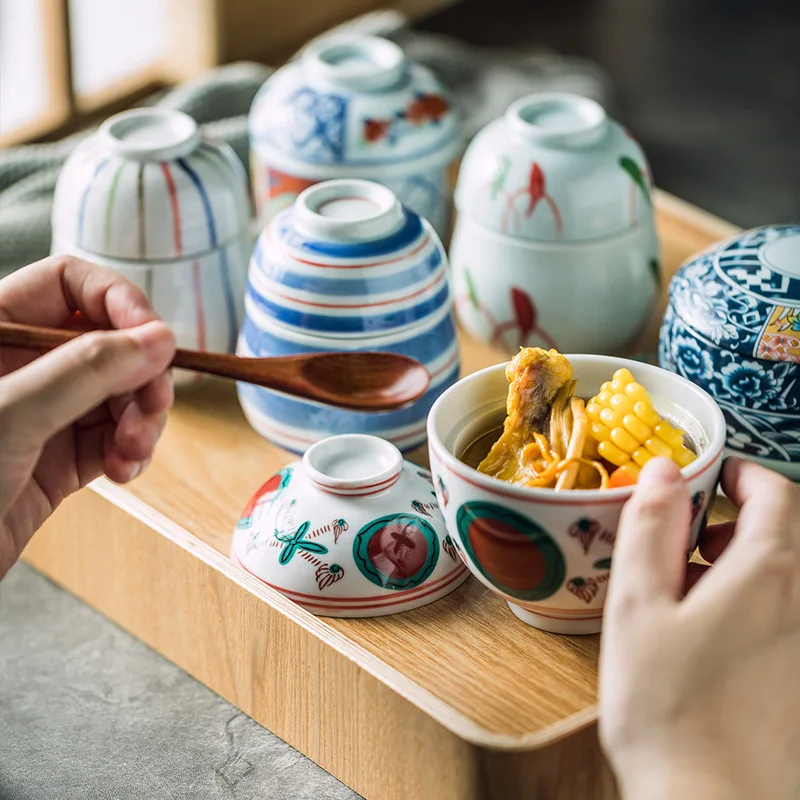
x,y
455,701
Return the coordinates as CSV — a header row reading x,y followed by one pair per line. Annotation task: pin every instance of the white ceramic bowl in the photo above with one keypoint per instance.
x,y
569,296
555,241
350,531
547,553
147,196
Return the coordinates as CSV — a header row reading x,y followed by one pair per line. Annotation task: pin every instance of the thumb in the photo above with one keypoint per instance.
x,y
649,558
49,394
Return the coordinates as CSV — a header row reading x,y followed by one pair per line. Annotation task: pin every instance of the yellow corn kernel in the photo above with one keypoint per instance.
x,y
672,436
612,453
593,409
636,427
641,456
624,440
658,447
636,392
610,418
683,456
621,404
646,413
628,431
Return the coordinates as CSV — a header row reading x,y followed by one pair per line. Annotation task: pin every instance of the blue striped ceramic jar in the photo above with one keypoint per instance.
x,y
347,267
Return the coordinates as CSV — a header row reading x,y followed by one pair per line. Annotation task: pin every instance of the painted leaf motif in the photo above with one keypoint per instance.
x,y
655,269
524,311
636,174
312,547
536,190
473,295
602,563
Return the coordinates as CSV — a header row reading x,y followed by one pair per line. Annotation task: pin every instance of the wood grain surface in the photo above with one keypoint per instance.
x,y
456,700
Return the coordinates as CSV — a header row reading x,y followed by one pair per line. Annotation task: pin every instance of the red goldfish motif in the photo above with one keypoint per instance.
x,y
426,108
376,129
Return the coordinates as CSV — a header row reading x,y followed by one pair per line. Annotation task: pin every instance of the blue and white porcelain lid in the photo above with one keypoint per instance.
x,y
347,260
744,294
352,104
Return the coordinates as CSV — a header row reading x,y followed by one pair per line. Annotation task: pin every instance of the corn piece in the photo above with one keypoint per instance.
x,y
628,431
658,447
624,440
612,453
683,456
636,427
641,456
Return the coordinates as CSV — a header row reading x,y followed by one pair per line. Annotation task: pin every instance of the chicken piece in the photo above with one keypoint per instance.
x,y
538,379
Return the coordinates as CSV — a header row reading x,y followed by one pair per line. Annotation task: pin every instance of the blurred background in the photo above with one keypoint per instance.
x,y
711,88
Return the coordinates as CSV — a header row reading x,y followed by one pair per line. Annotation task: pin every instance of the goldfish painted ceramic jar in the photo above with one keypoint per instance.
x,y
347,267
351,530
150,198
555,243
354,107
732,326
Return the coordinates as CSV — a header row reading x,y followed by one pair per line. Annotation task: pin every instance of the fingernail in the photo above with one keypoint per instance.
x,y
659,471
155,338
136,470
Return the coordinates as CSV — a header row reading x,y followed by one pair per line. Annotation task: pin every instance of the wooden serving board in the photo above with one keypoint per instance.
x,y
455,701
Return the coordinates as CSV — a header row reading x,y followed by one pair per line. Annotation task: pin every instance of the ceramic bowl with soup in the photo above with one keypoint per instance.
x,y
548,553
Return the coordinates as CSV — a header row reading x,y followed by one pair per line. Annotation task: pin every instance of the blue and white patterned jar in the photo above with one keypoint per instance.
x,y
347,267
353,107
732,326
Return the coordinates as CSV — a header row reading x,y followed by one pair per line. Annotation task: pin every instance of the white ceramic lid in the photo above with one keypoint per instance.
x,y
555,168
356,102
147,186
351,531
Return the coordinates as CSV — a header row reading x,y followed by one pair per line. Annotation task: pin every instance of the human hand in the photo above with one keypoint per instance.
x,y
700,695
93,406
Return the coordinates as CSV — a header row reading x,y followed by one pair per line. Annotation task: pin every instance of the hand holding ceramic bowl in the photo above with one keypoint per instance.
x,y
548,553
555,243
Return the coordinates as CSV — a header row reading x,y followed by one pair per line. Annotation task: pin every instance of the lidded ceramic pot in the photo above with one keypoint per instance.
x,y
354,107
352,530
732,326
347,268
147,196
555,243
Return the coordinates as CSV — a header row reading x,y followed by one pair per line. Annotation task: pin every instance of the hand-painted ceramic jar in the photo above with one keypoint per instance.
x,y
350,531
548,554
732,326
353,107
555,244
347,268
147,196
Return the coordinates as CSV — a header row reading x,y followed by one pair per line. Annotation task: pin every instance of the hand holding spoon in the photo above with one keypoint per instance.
x,y
367,381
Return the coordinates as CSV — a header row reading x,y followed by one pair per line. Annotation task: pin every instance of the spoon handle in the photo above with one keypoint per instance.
x,y
221,364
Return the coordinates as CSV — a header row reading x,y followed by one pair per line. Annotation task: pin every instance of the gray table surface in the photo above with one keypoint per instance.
x,y
86,711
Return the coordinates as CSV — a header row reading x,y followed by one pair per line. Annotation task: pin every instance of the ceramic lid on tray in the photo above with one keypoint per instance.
x,y
147,186
555,168
743,295
356,102
348,260
352,530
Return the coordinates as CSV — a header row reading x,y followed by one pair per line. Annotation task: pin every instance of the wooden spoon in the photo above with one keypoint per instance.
x,y
368,381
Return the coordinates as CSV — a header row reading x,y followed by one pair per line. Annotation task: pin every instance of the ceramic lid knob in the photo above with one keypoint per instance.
x,y
147,187
555,168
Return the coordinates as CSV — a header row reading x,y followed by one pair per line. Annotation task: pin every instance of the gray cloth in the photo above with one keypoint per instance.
x,y
484,82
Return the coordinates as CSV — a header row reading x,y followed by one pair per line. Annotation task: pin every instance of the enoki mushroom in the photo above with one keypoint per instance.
x,y
547,466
